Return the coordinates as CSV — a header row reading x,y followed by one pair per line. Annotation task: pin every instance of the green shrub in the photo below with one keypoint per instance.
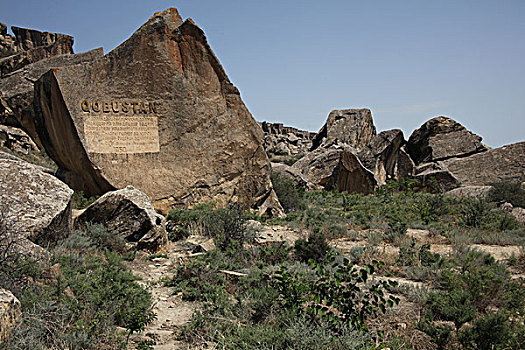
x,y
93,236
511,192
476,212
314,248
290,197
79,201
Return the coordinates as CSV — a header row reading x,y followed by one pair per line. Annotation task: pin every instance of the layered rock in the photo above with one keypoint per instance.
x,y
128,213
29,46
352,127
280,140
10,312
33,204
159,113
435,178
336,169
17,89
16,140
381,154
442,138
291,173
404,167
506,163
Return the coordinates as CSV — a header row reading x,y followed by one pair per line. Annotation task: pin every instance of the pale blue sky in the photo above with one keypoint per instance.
x,y
294,61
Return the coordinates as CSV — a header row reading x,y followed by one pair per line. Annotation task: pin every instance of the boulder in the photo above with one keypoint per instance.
x,y
506,163
352,127
29,46
404,167
336,169
291,173
34,204
285,140
381,154
16,140
519,214
10,312
434,178
442,138
159,113
479,192
17,88
128,213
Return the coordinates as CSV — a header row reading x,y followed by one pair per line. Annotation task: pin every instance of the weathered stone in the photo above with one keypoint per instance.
x,y
442,138
353,127
434,177
159,113
291,173
128,213
336,169
381,154
16,140
404,167
10,312
34,204
519,214
30,46
479,192
284,140
506,163
16,104
3,29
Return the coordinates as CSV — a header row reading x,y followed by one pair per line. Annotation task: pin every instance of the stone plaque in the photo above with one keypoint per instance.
x,y
121,134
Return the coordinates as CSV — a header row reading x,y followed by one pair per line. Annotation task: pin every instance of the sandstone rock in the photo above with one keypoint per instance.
x,y
16,104
381,154
353,127
479,192
506,163
285,140
519,214
10,312
291,173
434,177
3,29
29,46
442,138
35,205
16,140
336,168
159,113
404,167
130,215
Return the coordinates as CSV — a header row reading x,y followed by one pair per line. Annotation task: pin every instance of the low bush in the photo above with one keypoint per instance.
x,y
291,198
511,192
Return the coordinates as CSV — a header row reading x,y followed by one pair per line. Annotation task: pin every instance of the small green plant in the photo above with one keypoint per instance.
x,y
290,197
314,248
157,255
79,201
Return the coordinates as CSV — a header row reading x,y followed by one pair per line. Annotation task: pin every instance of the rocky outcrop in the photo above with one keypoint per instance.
x,y
16,140
34,204
404,167
128,213
352,127
506,163
381,154
29,46
435,178
280,140
10,312
442,138
17,89
336,169
291,173
469,191
158,113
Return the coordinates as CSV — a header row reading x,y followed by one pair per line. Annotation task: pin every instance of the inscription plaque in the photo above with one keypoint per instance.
x,y
121,134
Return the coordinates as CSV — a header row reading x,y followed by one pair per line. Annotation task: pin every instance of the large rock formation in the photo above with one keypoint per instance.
x,y
381,154
336,169
352,127
29,46
17,90
159,113
280,140
442,138
33,204
128,213
506,163
10,312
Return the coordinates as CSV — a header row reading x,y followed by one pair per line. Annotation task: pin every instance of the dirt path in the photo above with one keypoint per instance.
x,y
172,312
